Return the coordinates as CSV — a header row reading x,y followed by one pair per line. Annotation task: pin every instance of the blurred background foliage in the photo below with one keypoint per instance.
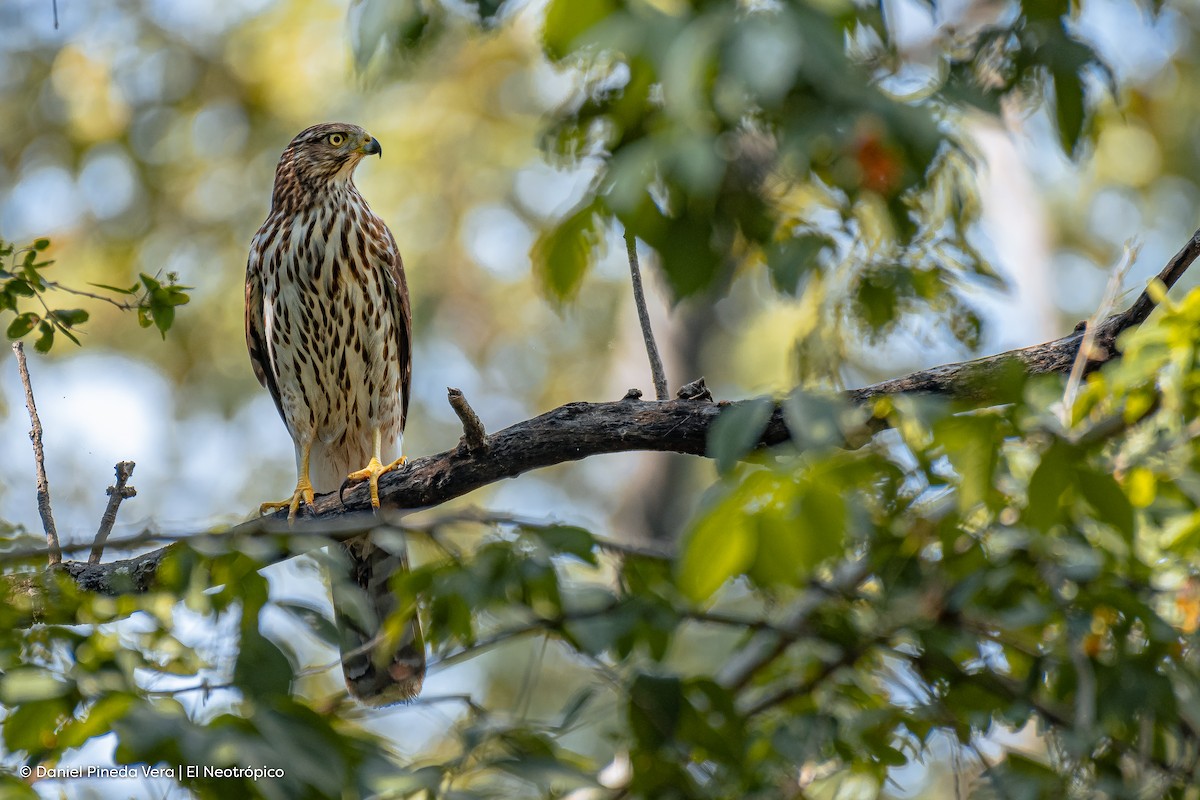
x,y
830,193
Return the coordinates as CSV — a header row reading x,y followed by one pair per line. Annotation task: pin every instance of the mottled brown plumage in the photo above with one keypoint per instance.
x,y
329,331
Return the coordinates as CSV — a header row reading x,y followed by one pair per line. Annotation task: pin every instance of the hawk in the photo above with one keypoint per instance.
x,y
329,332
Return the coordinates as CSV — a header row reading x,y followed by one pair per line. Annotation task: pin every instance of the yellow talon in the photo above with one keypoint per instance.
x,y
371,472
303,493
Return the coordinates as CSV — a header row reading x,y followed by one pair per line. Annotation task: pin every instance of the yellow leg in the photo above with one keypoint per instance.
x,y
375,468
304,489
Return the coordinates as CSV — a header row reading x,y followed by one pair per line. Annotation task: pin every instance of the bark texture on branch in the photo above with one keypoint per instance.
x,y
977,379
580,430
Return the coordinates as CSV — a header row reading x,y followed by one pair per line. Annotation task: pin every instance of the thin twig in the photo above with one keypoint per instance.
x,y
315,533
474,434
203,686
639,297
116,493
123,305
35,436
54,5
1089,332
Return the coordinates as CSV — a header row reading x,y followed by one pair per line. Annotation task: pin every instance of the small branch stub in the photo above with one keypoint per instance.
x,y
116,493
696,390
474,436
39,459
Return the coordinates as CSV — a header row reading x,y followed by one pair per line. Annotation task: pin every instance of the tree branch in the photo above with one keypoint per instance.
x,y
639,298
116,493
580,430
977,379
39,459
474,435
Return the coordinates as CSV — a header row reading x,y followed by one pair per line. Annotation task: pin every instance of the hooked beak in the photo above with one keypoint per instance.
x,y
372,148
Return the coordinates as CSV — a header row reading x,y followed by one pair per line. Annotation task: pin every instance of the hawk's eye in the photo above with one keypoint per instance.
x,y
337,139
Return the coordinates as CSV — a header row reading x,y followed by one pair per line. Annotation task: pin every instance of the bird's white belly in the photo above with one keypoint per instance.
x,y
332,339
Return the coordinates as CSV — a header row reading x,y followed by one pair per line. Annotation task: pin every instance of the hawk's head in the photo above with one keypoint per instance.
x,y
320,157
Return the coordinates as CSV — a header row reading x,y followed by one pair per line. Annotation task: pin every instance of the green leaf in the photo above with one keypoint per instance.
x,y
73,316
1069,108
689,257
131,290
30,684
568,539
46,340
67,333
1048,484
22,324
1106,496
790,260
816,421
33,724
545,771
877,297
19,287
823,511
261,669
779,556
568,20
41,244
164,317
972,444
575,706
1066,58
312,618
1020,776
720,546
98,720
655,706
737,430
562,254
176,296
800,524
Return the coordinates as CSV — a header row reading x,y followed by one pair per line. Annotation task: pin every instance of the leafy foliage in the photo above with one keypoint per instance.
x,y
789,136
23,279
835,613
1014,585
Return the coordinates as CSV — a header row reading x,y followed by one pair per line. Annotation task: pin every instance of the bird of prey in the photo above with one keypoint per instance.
x,y
329,332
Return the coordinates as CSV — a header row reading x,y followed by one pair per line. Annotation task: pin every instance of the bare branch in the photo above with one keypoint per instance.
x,y
116,494
580,430
474,436
978,380
639,297
39,458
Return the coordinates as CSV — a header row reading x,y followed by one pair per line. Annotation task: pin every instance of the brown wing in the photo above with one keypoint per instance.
x,y
398,298
256,333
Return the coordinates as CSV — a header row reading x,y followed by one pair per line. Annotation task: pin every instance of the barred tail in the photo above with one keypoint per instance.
x,y
383,663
